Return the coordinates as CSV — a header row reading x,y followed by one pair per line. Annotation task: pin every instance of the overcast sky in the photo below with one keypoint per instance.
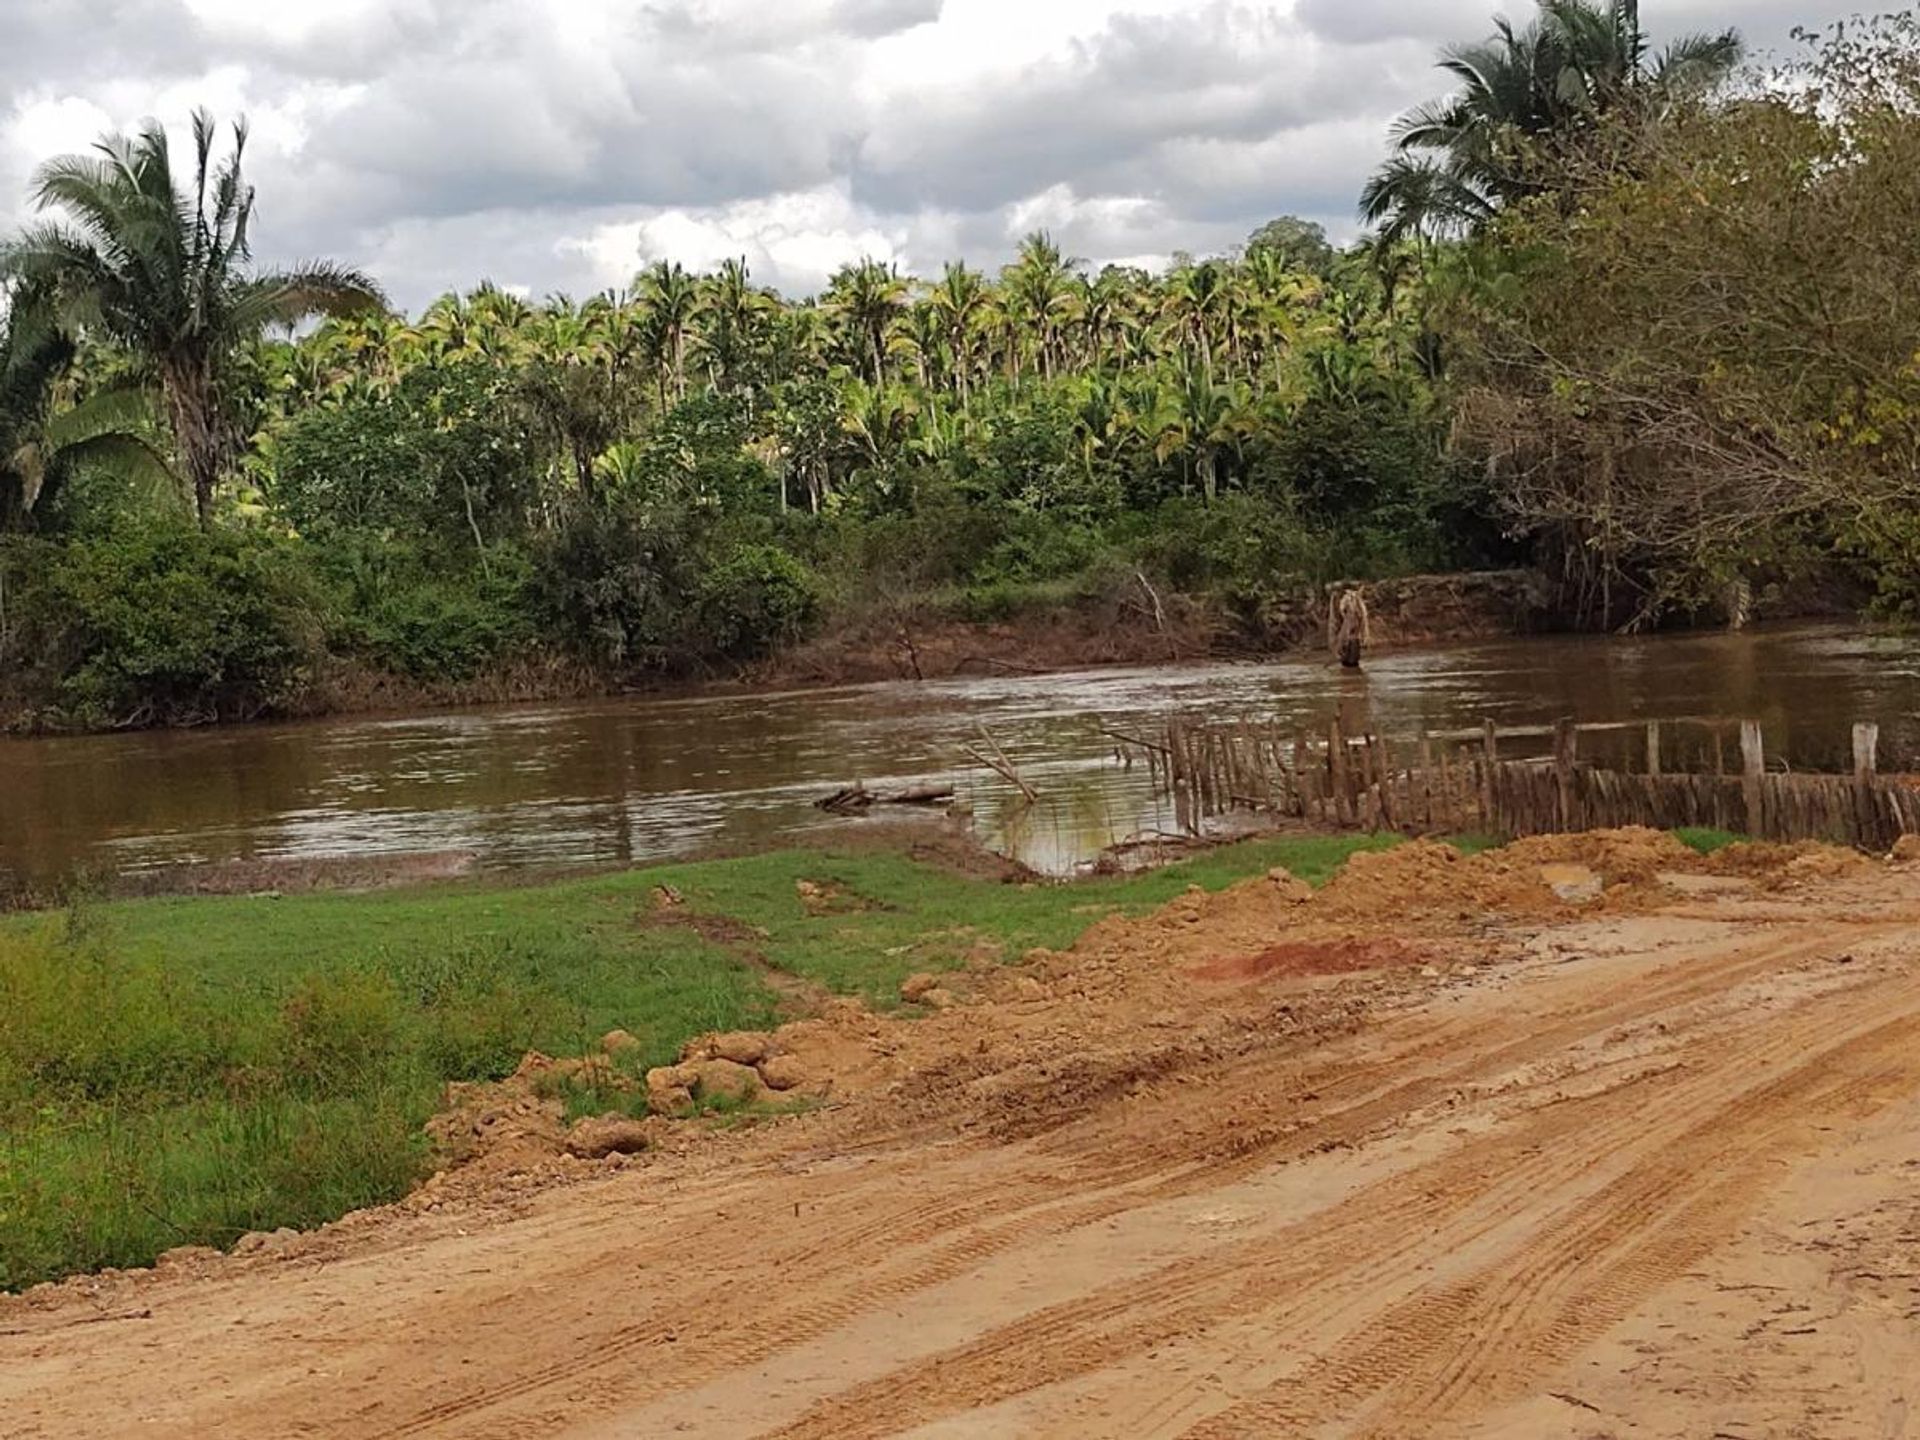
x,y
558,144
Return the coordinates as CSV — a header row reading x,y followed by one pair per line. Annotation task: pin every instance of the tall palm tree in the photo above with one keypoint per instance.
x,y
670,298
164,273
960,297
1036,284
1462,157
49,432
869,297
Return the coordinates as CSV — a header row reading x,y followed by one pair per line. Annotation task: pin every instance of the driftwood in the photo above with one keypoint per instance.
x,y
857,799
995,759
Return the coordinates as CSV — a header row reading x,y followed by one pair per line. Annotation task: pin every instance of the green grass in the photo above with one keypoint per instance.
x,y
1707,841
182,1071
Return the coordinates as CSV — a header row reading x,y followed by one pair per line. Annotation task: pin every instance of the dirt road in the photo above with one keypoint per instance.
x,y
1651,1168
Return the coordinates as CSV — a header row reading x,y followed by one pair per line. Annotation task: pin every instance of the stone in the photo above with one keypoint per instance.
x,y
915,988
1025,987
725,1080
618,1042
608,1135
670,1089
185,1257
783,1072
260,1242
743,1047
939,999
1292,889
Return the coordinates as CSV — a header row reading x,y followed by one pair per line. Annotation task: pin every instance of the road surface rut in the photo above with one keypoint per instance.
x,y
1533,1200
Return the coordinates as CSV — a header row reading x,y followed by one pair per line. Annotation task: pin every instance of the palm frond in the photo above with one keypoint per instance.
x,y
287,297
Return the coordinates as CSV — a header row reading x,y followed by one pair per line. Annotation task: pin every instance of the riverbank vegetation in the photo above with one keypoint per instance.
x,y
1637,319
183,1071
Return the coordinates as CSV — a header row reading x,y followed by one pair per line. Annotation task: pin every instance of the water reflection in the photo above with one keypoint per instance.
x,y
628,780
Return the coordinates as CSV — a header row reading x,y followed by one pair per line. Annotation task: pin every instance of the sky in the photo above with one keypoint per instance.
x,y
558,145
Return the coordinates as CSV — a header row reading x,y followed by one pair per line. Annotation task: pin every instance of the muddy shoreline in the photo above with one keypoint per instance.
x,y
1152,628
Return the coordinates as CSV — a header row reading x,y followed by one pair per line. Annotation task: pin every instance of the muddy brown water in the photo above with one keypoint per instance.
x,y
630,780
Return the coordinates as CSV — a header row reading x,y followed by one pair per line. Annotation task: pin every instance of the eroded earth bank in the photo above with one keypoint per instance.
x,y
1585,1137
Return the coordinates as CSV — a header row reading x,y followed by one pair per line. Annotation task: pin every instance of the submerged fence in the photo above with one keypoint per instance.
x,y
1669,774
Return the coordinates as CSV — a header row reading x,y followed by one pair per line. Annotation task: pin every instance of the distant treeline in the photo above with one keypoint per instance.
x,y
1643,320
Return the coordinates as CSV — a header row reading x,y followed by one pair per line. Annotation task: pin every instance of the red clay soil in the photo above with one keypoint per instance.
x,y
1637,1169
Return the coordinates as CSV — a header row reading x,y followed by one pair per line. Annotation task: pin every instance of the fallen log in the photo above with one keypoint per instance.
x,y
857,799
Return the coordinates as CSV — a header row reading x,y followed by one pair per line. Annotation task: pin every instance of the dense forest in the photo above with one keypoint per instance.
x,y
1642,320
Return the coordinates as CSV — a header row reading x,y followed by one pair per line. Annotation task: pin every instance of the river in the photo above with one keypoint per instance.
x,y
627,780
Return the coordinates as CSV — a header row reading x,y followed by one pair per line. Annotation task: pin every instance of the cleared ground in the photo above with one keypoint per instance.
x,y
1433,1153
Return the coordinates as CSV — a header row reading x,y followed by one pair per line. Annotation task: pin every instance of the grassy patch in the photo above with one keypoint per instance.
x,y
1707,841
184,1070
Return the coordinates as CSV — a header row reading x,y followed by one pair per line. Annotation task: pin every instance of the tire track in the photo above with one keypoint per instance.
x,y
1353,1104
1444,1354
1400,1221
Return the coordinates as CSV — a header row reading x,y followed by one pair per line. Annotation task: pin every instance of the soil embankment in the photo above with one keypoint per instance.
x,y
1587,1136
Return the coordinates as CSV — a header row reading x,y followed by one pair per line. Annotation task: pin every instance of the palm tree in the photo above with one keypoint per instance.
x,y
669,299
1036,288
960,297
164,274
1462,157
869,297
48,434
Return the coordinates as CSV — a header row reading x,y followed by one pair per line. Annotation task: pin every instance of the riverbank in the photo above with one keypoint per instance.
x,y
188,1070
1131,621
1587,1093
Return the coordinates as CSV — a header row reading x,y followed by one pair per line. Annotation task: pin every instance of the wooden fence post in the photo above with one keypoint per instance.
x,y
1866,807
1866,750
1653,747
1492,743
1753,776
1337,770
1565,743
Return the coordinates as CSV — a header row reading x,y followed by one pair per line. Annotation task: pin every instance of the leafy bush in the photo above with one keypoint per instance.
x,y
424,617
166,624
445,453
613,585
757,598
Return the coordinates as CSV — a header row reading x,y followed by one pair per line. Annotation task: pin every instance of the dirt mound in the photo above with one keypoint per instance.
x,y
1632,853
1424,877
1782,866
1315,957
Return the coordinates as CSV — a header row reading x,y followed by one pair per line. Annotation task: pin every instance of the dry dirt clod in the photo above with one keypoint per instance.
x,y
743,1047
618,1042
1906,850
609,1135
915,988
783,1072
725,1080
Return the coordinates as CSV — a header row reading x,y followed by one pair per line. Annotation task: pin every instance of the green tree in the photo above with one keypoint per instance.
x,y
163,272
46,438
1460,158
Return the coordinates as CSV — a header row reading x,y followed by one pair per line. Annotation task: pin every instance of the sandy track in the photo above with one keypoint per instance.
x,y
1540,1201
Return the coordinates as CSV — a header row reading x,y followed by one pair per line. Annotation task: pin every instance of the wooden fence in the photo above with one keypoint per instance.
x,y
1665,774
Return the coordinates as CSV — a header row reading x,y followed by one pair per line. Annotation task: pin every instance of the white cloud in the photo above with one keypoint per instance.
x,y
553,144
795,240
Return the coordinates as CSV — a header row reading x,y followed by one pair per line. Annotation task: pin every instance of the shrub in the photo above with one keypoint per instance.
x,y
757,598
165,624
425,616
